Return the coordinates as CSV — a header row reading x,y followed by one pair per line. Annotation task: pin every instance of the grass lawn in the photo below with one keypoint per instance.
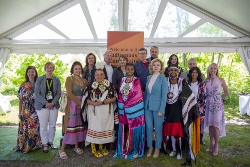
x,y
8,142
234,150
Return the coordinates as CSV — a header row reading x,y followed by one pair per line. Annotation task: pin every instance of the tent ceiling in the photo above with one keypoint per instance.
x,y
13,13
236,12
164,23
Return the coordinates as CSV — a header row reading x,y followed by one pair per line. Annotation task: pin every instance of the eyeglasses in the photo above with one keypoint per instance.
x,y
142,53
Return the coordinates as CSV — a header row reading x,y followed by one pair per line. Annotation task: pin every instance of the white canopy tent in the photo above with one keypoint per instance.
x,y
80,26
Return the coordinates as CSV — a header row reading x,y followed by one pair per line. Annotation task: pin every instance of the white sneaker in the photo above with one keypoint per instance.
x,y
173,153
179,156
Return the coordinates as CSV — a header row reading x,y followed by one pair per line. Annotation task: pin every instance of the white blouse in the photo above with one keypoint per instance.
x,y
152,81
194,87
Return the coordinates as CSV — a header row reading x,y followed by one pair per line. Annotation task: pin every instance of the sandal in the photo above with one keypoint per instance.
x,y
215,152
62,155
78,151
210,149
52,146
45,148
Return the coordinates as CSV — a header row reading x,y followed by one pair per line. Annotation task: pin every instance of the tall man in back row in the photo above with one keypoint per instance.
x,y
154,52
108,67
192,63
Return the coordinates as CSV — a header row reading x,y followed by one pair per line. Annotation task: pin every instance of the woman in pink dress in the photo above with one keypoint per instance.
x,y
214,118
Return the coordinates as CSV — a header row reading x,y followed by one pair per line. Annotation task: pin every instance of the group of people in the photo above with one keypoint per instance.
x,y
134,103
38,109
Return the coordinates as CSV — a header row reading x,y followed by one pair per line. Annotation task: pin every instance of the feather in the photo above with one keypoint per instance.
x,y
99,65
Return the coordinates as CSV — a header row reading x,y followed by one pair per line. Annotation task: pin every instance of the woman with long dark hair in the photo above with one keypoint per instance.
x,y
173,60
74,130
89,69
28,130
199,89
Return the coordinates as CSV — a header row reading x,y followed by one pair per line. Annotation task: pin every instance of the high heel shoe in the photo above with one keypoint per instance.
x,y
150,150
215,152
156,153
45,148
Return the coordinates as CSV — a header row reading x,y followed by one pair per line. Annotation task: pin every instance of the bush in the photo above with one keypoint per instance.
x,y
10,90
14,71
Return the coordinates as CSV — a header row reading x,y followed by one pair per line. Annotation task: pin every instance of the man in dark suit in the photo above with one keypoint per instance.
x,y
108,68
154,51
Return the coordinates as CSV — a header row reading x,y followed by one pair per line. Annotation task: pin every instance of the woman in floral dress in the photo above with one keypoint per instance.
x,y
214,115
28,132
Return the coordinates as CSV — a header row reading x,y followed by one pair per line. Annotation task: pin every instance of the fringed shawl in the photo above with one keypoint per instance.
x,y
131,112
191,121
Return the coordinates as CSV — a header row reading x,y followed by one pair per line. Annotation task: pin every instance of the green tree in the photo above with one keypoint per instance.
x,y
14,72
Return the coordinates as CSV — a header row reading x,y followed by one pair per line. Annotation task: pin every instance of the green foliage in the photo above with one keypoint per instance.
x,y
210,30
14,72
14,102
9,90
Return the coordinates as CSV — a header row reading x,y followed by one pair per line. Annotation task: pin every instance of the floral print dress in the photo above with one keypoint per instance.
x,y
28,131
214,115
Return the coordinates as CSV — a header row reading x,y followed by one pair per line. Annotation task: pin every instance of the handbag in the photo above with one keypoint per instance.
x,y
63,102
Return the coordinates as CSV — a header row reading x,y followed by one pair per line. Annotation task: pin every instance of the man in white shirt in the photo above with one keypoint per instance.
x,y
108,68
191,63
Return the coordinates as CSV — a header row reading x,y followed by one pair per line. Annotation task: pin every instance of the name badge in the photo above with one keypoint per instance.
x,y
49,95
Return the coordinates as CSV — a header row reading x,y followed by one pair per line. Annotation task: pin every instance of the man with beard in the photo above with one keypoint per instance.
x,y
154,51
191,63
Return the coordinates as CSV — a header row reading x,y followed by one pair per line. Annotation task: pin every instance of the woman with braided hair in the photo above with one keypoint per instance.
x,y
131,133
99,105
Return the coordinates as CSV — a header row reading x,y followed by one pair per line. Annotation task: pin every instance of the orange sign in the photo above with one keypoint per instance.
x,y
126,43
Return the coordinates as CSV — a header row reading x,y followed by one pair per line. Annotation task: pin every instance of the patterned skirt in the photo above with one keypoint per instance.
x,y
76,131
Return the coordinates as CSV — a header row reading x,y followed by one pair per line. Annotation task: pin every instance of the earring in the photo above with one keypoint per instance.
x,y
80,75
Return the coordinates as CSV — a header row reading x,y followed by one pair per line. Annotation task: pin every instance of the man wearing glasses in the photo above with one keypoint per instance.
x,y
141,67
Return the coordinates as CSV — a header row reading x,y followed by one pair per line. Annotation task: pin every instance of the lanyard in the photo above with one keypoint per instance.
x,y
49,84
